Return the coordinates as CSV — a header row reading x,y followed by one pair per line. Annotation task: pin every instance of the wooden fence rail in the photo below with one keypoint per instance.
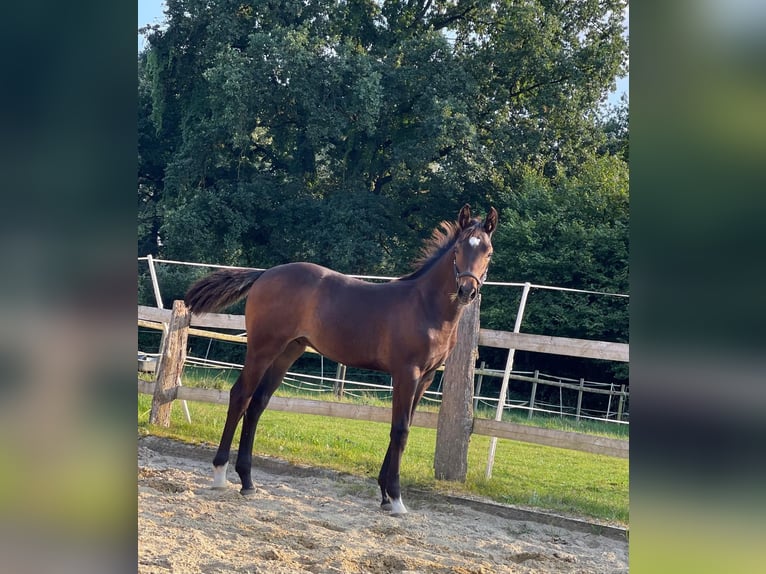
x,y
486,427
554,345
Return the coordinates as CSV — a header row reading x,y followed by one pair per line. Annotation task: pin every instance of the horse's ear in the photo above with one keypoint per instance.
x,y
490,223
464,217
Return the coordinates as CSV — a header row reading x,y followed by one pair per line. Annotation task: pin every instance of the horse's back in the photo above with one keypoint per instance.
x,y
306,292
346,319
302,279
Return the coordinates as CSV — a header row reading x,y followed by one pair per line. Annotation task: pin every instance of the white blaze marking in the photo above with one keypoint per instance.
x,y
219,476
474,241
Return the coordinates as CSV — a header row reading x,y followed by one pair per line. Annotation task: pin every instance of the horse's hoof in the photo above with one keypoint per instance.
x,y
397,507
219,477
385,505
247,491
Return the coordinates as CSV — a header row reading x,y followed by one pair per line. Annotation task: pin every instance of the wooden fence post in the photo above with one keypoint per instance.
x,y
455,422
561,400
534,392
340,379
171,365
609,404
579,398
621,402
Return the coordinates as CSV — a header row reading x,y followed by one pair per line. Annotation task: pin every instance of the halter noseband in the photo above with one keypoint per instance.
x,y
459,274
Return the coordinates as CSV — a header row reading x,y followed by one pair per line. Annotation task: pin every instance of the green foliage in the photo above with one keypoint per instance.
x,y
341,132
615,126
569,232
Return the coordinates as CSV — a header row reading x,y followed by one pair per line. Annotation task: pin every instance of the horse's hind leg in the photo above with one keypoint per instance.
x,y
260,400
239,400
385,502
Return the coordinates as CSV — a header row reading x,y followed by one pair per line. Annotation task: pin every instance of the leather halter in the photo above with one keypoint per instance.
x,y
459,274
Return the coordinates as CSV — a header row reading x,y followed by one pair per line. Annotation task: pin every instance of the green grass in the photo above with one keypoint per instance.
x,y
553,479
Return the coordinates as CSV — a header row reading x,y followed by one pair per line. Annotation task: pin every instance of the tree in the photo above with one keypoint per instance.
x,y
341,132
615,126
567,232
410,108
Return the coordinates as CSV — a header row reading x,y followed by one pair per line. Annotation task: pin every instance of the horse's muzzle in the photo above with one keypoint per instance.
x,y
467,289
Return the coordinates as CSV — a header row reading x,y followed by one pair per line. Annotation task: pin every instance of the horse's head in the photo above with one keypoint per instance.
x,y
473,251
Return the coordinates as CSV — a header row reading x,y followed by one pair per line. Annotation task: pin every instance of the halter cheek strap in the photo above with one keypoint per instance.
x,y
459,274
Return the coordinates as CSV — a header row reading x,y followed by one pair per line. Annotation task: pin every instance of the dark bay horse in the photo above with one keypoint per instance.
x,y
406,328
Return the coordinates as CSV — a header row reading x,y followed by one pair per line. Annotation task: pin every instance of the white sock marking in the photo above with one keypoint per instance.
x,y
219,476
397,506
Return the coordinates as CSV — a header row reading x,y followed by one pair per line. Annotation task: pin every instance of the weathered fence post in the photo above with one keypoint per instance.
x,y
171,365
158,298
455,422
534,392
609,404
340,379
621,402
561,400
579,398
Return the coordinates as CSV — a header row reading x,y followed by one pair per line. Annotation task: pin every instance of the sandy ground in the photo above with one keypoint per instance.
x,y
305,520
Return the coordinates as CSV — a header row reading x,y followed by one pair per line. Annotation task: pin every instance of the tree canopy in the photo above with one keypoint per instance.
x,y
342,132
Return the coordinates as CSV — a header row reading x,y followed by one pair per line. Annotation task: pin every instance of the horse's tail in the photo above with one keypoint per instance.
x,y
220,289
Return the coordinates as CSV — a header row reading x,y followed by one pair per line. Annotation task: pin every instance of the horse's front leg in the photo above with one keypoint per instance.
x,y
404,394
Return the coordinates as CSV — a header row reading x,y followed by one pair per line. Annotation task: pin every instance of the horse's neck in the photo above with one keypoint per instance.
x,y
438,286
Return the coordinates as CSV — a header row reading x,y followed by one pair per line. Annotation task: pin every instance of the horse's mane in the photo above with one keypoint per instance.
x,y
442,239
